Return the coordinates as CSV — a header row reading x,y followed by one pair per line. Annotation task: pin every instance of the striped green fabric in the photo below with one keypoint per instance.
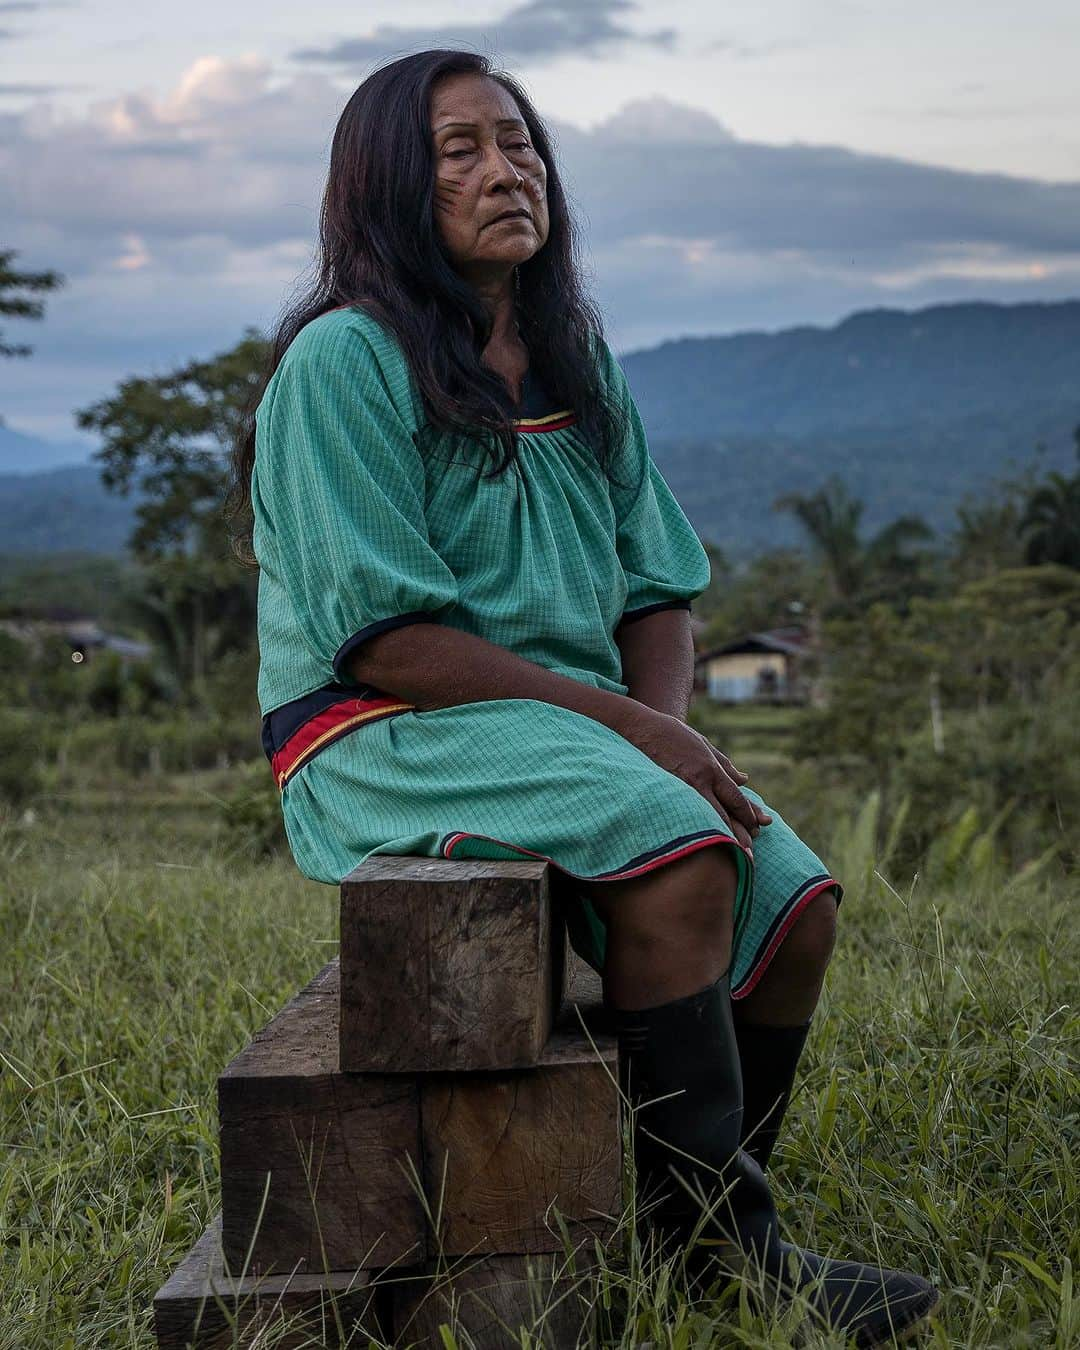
x,y
356,529
353,524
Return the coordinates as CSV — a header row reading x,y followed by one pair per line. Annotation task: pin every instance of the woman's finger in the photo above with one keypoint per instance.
x,y
738,807
738,777
727,765
738,832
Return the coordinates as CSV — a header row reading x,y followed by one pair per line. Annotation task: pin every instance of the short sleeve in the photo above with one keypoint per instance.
x,y
663,560
338,496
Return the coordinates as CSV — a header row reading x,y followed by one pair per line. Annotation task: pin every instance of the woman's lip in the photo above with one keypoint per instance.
x,y
516,215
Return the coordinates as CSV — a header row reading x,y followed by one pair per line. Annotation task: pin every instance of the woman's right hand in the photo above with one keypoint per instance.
x,y
689,755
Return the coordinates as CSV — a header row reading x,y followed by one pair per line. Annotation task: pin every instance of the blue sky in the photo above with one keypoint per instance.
x,y
750,166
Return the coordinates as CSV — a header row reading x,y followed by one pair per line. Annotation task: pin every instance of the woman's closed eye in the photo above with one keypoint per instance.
x,y
457,154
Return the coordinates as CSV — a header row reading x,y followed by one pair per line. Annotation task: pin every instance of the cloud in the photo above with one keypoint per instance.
x,y
540,30
743,51
179,216
34,88
25,7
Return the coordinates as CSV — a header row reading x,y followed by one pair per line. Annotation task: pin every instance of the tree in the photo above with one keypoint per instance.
x,y
170,437
966,701
856,570
830,517
987,534
773,590
195,611
1050,524
21,306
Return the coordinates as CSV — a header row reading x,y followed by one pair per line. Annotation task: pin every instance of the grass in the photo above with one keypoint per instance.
x,y
935,1125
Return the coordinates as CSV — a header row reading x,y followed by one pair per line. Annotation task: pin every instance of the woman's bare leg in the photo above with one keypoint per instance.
x,y
668,931
788,992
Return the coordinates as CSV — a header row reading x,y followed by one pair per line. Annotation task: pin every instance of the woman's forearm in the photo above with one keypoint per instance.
x,y
658,660
433,665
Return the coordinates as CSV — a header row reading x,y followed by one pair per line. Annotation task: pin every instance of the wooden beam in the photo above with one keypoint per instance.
x,y
496,1298
202,1305
447,965
501,1147
337,1146
338,1149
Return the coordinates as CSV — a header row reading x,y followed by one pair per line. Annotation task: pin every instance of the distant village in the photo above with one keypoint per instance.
x,y
765,667
83,634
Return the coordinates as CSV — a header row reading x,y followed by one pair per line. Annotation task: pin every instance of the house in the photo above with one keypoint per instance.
x,y
764,667
82,634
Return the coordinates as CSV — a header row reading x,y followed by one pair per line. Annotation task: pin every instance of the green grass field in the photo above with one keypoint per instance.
x,y
935,1126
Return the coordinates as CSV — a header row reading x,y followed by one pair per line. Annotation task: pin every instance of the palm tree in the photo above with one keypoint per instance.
x,y
831,518
986,538
1050,524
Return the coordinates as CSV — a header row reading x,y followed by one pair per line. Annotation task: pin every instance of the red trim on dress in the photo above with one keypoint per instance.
x,y
717,838
781,933
327,726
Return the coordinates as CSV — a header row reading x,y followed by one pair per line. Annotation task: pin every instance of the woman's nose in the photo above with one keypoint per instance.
x,y
502,173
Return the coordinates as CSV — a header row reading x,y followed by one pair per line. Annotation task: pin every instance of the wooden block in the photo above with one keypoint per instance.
x,y
447,965
512,1141
202,1306
336,1148
494,1299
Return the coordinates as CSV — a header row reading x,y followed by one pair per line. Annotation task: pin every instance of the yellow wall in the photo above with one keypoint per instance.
x,y
744,665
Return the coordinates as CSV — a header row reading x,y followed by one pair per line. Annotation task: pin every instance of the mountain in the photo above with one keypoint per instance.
x,y
912,409
61,510
23,454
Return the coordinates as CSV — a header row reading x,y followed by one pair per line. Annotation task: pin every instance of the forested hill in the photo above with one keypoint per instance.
x,y
911,409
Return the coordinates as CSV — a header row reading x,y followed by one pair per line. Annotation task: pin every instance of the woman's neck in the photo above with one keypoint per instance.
x,y
505,353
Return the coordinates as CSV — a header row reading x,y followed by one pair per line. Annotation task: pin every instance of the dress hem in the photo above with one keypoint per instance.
x,y
678,848
643,862
778,931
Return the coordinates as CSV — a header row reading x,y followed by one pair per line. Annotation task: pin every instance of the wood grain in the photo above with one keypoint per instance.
x,y
501,1147
200,1305
337,1149
511,1141
447,965
494,1299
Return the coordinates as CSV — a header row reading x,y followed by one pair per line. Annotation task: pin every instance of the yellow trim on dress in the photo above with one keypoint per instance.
x,y
335,731
543,421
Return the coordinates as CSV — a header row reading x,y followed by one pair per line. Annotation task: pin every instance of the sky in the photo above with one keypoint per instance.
x,y
747,166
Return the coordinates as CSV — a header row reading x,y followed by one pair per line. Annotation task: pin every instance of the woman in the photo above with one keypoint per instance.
x,y
475,639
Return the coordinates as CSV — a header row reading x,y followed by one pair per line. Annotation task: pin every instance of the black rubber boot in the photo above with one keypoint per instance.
x,y
768,1057
685,1053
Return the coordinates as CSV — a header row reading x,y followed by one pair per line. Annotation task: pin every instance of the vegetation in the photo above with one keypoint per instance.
x,y
932,1124
153,920
15,302
909,409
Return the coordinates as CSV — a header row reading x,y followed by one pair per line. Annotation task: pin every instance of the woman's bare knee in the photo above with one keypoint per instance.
x,y
689,895
669,932
791,985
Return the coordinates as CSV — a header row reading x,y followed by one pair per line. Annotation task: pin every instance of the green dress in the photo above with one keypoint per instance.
x,y
357,530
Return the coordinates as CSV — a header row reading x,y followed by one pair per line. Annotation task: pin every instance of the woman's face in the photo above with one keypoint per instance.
x,y
485,166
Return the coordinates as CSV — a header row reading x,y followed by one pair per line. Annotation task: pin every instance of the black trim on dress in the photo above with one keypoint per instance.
x,y
369,631
282,722
631,615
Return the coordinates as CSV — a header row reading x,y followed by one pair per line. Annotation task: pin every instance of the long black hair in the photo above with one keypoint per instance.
x,y
379,246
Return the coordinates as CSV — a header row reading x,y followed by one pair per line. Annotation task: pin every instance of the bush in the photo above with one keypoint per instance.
x,y
21,751
251,813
